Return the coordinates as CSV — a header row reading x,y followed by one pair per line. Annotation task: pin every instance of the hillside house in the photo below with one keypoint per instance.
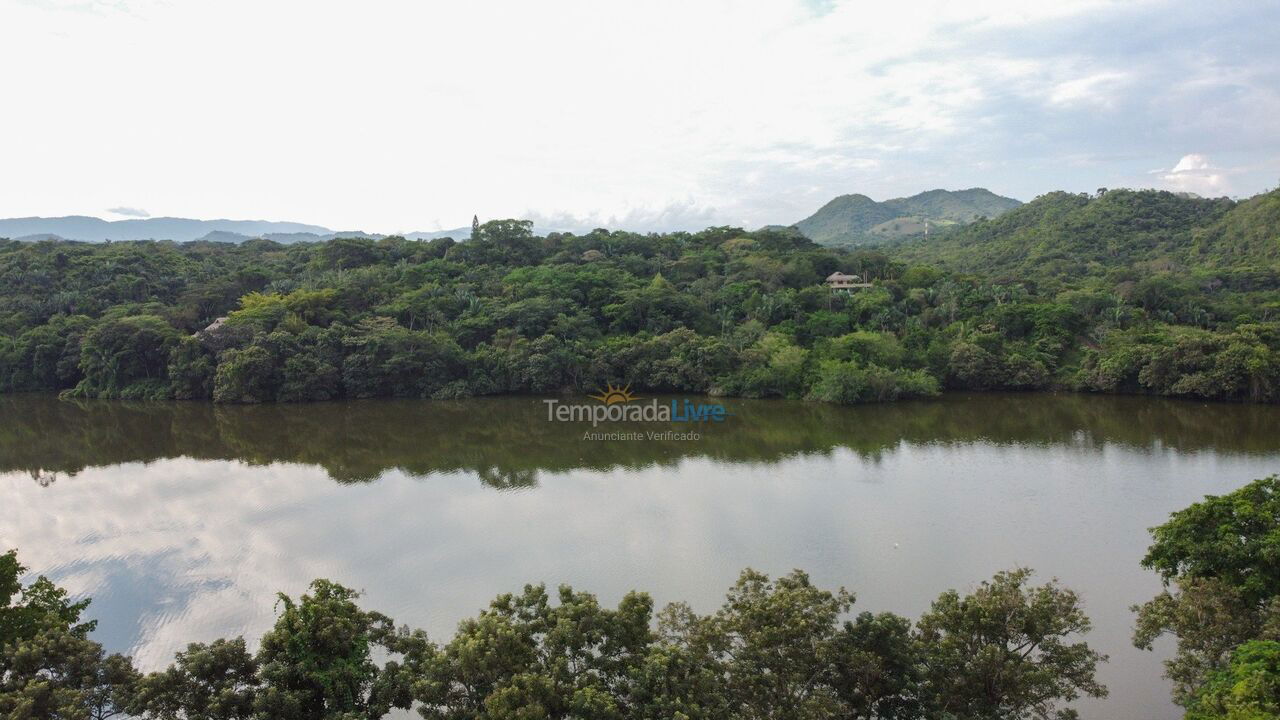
x,y
839,282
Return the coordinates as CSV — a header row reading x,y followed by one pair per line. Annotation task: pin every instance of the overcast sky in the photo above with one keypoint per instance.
x,y
399,116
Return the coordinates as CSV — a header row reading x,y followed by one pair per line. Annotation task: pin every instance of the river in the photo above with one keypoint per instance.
x,y
182,520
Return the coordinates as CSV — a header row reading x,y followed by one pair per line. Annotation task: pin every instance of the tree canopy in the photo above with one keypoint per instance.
x,y
1220,561
1126,291
777,648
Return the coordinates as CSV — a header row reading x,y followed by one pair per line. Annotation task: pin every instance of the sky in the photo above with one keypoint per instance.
x,y
658,115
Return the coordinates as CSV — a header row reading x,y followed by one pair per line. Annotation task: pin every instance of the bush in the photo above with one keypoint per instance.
x,y
847,383
246,376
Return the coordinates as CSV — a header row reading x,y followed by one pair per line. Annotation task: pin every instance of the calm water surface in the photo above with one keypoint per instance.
x,y
183,520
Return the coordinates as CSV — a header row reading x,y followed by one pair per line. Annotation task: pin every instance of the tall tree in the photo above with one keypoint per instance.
x,y
317,662
1220,562
49,668
1005,651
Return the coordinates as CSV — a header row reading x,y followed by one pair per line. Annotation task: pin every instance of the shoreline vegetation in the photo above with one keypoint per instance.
x,y
776,648
779,648
1121,291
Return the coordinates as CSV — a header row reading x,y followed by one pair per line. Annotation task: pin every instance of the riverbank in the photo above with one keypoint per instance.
x,y
183,520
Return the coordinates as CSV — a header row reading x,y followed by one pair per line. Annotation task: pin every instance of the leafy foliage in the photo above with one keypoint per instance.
x,y
1247,689
1002,652
49,668
1126,292
776,649
1221,557
1233,538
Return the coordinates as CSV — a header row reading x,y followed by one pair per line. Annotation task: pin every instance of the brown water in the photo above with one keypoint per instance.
x,y
182,520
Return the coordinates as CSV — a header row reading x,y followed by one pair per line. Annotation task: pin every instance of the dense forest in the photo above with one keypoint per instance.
x,y
1121,291
776,648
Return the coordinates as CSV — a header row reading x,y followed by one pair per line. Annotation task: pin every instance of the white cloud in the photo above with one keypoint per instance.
x,y
1097,89
129,212
673,216
1194,173
1191,163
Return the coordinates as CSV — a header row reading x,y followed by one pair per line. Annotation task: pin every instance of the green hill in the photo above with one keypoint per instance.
x,y
845,220
851,220
961,206
1247,235
1064,237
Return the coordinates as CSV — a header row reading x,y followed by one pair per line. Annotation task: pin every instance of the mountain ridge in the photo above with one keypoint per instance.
x,y
856,219
86,228
1060,236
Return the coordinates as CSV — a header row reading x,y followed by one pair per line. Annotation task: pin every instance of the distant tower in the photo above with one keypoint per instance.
x,y
475,226
926,227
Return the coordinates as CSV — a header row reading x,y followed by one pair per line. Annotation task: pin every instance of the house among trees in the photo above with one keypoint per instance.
x,y
838,281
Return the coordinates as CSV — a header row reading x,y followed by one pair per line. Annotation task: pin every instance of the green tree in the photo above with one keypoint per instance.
x,y
525,657
1209,618
1247,689
26,610
877,668
248,375
317,662
218,681
191,370
127,357
1234,538
774,643
1005,651
1218,560
49,668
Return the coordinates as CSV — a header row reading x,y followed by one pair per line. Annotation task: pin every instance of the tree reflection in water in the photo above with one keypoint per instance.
x,y
506,441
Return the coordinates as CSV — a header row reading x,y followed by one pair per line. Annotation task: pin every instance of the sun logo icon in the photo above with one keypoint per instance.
x,y
613,395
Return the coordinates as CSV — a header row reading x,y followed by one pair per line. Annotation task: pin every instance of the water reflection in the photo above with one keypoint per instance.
x,y
183,520
507,441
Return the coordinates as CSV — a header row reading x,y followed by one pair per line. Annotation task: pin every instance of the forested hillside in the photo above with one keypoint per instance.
x,y
1061,238
1128,292
1247,238
857,220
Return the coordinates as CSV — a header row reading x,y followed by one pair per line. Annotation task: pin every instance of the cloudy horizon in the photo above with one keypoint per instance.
x,y
389,117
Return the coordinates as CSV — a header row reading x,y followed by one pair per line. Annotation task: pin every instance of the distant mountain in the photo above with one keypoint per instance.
x,y
222,236
462,233
859,220
91,229
287,238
